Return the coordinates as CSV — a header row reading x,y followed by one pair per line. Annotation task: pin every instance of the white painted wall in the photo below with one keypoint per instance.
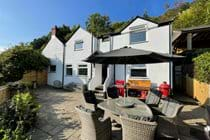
x,y
97,77
157,40
157,73
54,52
104,45
75,57
110,78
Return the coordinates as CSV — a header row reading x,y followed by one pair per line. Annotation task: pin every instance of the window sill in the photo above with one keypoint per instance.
x,y
138,42
52,72
82,76
137,77
78,49
69,75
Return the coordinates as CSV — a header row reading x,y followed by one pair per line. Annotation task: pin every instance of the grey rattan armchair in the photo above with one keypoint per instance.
x,y
89,100
92,127
153,98
136,130
167,123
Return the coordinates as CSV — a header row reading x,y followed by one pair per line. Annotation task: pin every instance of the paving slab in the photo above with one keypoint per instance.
x,y
58,119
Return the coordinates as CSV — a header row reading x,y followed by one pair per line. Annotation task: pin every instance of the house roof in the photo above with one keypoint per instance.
x,y
167,22
76,31
196,29
200,37
128,55
73,33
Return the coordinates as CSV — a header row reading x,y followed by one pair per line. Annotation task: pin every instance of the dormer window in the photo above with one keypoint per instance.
x,y
78,45
138,34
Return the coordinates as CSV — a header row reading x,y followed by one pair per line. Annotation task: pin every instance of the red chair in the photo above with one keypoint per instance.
x,y
120,86
143,95
164,89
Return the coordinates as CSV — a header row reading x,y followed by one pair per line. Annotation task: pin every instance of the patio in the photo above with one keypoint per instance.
x,y
59,120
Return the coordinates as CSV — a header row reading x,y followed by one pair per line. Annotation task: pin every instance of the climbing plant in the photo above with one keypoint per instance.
x,y
202,67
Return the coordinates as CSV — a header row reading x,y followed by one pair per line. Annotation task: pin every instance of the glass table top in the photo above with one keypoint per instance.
x,y
137,108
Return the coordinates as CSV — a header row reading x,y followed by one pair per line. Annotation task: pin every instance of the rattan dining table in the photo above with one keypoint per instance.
x,y
113,108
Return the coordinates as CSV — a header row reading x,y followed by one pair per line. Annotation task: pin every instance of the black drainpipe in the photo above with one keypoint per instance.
x,y
91,67
170,52
64,55
111,48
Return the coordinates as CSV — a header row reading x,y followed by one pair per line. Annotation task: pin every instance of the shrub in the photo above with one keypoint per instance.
x,y
202,67
17,117
16,61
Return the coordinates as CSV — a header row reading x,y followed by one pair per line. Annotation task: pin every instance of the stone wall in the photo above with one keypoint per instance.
x,y
4,94
39,76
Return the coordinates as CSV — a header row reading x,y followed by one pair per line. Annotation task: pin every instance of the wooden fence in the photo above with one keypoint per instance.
x,y
39,76
198,90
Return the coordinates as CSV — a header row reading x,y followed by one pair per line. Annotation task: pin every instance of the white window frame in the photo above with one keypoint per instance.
x,y
139,67
69,67
77,42
50,71
82,66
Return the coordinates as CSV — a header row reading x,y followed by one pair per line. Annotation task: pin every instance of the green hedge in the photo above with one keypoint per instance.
x,y
17,60
202,67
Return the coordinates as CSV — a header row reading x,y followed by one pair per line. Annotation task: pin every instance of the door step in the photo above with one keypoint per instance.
x,y
99,88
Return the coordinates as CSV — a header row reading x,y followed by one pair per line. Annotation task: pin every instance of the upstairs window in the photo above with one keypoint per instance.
x,y
78,45
52,68
82,70
137,36
138,71
69,70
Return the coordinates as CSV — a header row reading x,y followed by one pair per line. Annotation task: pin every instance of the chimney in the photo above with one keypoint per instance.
x,y
53,31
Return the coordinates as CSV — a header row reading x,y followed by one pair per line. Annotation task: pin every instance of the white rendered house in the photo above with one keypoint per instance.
x,y
139,34
66,60
81,45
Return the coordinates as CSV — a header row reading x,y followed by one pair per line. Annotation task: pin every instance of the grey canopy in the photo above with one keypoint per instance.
x,y
128,55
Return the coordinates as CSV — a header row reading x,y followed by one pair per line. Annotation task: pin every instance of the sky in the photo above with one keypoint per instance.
x,y
24,20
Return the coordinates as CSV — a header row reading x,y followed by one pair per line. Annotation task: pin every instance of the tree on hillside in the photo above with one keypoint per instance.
x,y
62,31
197,14
146,15
37,43
174,11
73,29
117,26
98,24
